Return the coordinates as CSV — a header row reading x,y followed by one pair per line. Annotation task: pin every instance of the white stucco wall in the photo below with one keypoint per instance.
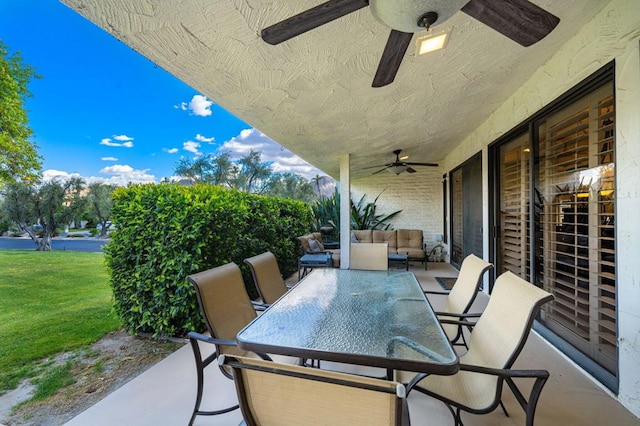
x,y
628,227
614,34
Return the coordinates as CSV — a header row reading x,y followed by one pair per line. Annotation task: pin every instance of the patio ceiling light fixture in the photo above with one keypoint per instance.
x,y
396,170
431,43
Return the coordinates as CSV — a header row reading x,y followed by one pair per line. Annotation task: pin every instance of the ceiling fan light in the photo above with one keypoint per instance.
x,y
431,43
396,170
403,15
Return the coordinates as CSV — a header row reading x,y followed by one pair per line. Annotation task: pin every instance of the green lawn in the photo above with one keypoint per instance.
x,y
49,302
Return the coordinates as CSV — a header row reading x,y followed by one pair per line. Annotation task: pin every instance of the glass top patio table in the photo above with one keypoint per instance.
x,y
373,318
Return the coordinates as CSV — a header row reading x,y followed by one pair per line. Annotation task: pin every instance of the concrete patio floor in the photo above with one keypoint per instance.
x,y
164,394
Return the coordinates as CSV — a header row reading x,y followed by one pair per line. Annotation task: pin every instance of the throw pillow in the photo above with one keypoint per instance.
x,y
316,246
354,239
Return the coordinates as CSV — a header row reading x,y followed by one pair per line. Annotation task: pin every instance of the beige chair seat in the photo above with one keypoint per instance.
x,y
226,308
462,294
270,394
495,343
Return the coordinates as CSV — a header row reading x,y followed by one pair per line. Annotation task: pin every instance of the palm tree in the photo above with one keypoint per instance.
x,y
317,180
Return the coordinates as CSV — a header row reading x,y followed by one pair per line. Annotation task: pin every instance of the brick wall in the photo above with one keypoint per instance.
x,y
418,195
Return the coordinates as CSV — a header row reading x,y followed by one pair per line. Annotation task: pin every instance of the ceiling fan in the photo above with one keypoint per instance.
x,y
520,20
399,166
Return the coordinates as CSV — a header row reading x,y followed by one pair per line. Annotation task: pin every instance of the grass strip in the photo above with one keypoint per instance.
x,y
50,302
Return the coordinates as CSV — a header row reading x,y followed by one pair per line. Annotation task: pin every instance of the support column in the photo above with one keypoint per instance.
x,y
345,211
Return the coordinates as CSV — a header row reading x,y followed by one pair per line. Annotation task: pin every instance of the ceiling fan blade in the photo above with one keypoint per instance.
x,y
520,20
392,56
310,19
422,164
410,170
379,171
379,165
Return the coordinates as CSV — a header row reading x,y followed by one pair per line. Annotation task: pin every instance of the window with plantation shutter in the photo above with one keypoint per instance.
x,y
554,223
514,205
576,179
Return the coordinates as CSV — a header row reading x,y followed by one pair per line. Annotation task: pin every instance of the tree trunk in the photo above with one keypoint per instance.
x,y
104,229
44,243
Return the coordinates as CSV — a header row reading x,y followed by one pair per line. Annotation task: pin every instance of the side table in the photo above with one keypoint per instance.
x,y
399,258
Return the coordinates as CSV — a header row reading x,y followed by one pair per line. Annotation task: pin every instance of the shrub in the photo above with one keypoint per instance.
x,y
166,232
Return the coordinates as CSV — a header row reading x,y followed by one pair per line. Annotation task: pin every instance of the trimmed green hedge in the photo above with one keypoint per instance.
x,y
166,232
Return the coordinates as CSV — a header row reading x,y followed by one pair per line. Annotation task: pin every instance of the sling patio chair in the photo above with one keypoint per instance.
x,y
369,256
270,394
495,343
267,277
461,297
226,308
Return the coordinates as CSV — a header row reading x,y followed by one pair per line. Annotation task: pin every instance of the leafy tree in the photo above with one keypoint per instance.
x,y
207,168
18,156
99,204
248,174
253,174
290,185
48,205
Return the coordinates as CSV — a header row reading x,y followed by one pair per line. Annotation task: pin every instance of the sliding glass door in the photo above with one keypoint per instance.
x,y
513,211
576,178
554,220
466,210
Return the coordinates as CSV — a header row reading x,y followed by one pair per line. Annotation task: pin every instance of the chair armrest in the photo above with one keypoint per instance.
x,y
259,306
457,322
467,315
193,337
208,339
414,346
505,372
443,292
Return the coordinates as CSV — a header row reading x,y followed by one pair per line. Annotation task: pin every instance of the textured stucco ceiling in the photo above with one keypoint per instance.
x,y
313,93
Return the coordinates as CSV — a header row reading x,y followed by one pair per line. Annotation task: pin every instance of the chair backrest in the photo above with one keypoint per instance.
x,y
224,303
466,287
271,393
502,330
369,256
267,276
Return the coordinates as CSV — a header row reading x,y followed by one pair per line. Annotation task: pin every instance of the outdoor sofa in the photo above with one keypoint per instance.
x,y
400,241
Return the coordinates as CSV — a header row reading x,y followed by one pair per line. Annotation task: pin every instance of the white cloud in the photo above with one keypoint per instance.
x,y
170,150
52,174
122,174
283,160
118,174
109,159
198,105
192,146
205,139
126,144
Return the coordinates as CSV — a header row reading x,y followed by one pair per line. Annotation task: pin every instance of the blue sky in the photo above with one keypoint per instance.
x,y
105,112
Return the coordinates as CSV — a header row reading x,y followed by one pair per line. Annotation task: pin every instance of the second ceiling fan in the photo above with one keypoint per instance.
x,y
519,20
400,166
